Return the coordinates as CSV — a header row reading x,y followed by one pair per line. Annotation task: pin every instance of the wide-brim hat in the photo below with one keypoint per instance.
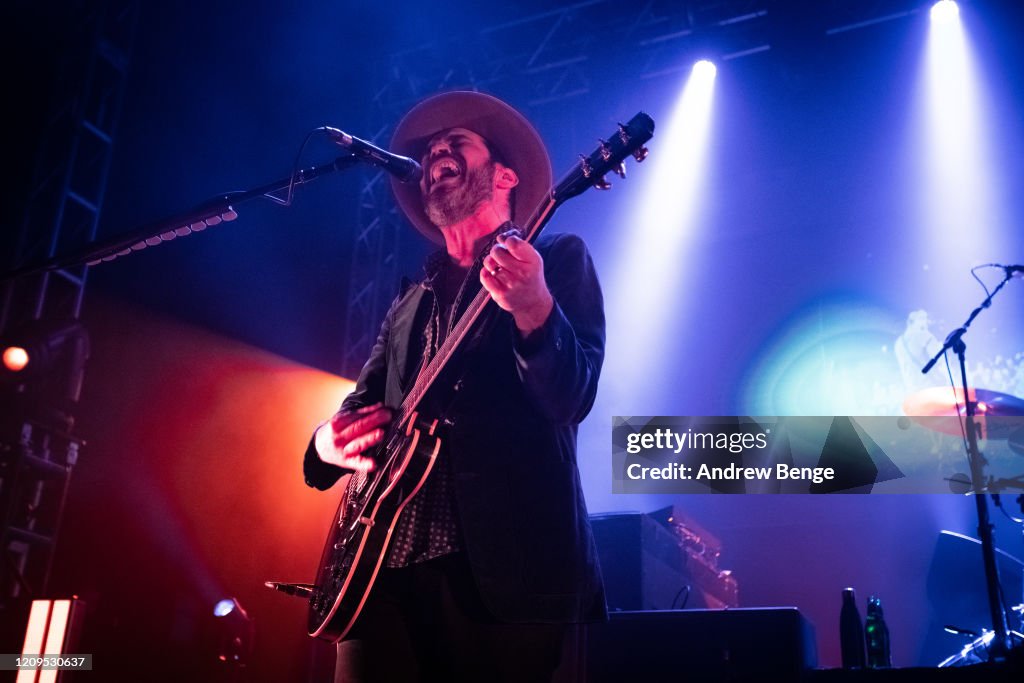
x,y
512,137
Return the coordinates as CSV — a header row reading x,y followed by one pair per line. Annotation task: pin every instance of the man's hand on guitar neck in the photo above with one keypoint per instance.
x,y
513,274
344,438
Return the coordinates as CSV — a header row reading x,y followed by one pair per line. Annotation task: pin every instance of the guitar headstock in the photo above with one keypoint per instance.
x,y
609,156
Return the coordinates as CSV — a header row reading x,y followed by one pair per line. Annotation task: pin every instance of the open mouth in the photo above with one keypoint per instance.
x,y
444,169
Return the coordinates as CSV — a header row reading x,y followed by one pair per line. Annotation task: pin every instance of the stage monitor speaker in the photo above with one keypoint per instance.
x,y
745,644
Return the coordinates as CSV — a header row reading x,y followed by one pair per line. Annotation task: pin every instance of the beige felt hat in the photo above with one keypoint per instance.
x,y
507,131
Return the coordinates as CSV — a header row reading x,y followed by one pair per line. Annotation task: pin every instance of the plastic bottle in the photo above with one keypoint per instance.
x,y
877,635
851,632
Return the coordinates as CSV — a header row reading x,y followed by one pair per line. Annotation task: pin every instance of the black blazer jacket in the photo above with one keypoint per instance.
x,y
510,411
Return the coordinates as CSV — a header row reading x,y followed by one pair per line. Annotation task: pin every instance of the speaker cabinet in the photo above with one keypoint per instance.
x,y
746,644
641,562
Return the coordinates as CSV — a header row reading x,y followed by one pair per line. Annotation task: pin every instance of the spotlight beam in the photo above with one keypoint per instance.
x,y
665,219
961,220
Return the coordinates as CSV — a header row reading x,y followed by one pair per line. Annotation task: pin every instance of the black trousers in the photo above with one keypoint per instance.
x,y
426,622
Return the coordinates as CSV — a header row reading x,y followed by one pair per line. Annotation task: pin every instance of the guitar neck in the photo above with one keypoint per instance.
x,y
610,155
465,325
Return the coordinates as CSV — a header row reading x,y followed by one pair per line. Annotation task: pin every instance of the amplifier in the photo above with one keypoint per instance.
x,y
641,562
661,560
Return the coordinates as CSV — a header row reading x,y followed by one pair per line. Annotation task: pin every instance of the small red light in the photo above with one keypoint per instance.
x,y
15,358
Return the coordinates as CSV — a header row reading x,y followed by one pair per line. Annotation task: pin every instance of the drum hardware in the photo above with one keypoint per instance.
x,y
1001,641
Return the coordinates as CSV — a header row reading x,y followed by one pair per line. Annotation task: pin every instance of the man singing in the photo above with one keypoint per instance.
x,y
494,556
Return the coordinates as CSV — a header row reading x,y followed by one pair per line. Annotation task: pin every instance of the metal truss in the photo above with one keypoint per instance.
x,y
544,58
848,15
37,446
553,56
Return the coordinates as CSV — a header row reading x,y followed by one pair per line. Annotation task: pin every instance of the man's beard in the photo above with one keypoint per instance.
x,y
449,205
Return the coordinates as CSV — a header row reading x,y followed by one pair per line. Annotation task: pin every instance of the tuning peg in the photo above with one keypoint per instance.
x,y
606,151
623,134
640,153
585,166
602,184
620,170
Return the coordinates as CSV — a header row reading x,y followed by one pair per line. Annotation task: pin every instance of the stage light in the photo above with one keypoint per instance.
x,y
235,633
704,69
664,218
45,358
52,631
15,358
828,360
945,11
35,347
224,607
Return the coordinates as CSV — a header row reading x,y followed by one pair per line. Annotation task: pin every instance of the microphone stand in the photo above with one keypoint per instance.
x,y
1000,645
207,214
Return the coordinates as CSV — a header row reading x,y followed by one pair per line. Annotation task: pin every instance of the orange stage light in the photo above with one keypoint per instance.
x,y
15,358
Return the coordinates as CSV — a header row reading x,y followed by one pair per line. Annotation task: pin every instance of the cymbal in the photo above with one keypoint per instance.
x,y
946,401
993,413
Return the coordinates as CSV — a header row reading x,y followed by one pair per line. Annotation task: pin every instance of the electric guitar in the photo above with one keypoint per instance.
x,y
360,533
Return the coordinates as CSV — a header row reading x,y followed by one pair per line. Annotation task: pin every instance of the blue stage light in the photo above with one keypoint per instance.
x,y
224,607
945,11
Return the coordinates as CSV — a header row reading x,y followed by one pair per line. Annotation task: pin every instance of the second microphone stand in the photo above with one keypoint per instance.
x,y
1000,645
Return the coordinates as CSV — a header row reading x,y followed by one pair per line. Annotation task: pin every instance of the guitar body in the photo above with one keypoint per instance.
x,y
361,531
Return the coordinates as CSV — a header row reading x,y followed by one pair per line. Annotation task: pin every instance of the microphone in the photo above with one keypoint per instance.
x,y
405,169
1014,271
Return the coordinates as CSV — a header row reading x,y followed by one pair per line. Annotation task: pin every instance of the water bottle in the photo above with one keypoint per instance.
x,y
877,636
851,632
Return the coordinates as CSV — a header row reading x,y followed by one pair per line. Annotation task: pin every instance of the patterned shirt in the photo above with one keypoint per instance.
x,y
428,526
